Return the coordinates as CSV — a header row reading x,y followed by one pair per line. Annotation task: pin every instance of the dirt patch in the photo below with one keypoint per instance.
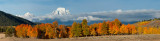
x,y
2,36
149,37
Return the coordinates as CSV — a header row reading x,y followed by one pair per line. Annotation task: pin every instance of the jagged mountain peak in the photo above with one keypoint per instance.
x,y
61,11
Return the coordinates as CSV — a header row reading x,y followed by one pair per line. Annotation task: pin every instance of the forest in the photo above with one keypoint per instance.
x,y
53,30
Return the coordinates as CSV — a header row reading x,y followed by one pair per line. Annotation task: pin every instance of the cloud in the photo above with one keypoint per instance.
x,y
128,15
122,15
119,11
90,18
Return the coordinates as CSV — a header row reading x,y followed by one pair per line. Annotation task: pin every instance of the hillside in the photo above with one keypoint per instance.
x,y
149,23
11,20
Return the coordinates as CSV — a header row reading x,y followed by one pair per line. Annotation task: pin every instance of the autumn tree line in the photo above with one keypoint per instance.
x,y
53,30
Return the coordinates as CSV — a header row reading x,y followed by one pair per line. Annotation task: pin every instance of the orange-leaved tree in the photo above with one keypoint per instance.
x,y
69,32
34,32
93,29
50,31
99,29
63,32
21,30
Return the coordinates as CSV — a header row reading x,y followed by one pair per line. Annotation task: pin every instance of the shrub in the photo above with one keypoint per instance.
x,y
9,32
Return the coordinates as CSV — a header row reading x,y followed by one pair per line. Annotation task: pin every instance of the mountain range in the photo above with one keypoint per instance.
x,y
63,16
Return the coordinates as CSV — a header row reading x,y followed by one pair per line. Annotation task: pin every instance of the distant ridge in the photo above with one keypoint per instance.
x,y
11,20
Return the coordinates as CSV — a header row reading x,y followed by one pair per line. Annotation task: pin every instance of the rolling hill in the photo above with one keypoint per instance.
x,y
149,23
11,20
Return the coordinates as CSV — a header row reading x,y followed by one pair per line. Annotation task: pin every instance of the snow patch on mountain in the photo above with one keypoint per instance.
x,y
61,11
28,16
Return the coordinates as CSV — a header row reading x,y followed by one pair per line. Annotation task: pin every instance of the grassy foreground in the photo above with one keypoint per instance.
x,y
147,37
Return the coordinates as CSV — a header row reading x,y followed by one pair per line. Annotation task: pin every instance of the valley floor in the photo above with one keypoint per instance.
x,y
148,37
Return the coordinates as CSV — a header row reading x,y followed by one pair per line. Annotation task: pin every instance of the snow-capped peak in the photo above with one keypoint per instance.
x,y
28,15
61,11
119,10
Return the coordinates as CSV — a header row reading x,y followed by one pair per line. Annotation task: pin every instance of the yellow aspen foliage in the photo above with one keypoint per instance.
x,y
133,28
92,29
143,23
76,29
85,27
145,30
155,30
111,31
122,29
158,30
41,27
139,30
152,30
50,31
116,29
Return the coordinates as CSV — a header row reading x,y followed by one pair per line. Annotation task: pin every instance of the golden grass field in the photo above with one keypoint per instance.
x,y
148,37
